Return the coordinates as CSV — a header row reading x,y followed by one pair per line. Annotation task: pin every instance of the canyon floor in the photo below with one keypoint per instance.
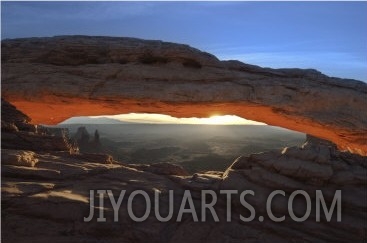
x,y
195,147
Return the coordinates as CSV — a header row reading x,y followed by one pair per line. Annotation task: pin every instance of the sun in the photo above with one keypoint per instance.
x,y
166,119
221,120
228,120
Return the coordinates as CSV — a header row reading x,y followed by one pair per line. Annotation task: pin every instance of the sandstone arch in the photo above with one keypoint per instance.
x,y
52,79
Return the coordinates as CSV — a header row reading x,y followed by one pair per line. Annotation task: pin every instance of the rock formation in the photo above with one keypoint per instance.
x,y
45,194
52,79
18,133
85,143
81,136
46,182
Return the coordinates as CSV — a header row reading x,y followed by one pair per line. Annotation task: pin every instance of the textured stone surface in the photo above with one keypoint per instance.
x,y
46,77
54,195
50,199
18,157
162,169
18,133
95,157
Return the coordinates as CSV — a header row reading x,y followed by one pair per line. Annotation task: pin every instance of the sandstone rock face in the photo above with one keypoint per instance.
x,y
316,165
95,157
18,157
51,199
47,193
162,169
17,133
11,117
47,77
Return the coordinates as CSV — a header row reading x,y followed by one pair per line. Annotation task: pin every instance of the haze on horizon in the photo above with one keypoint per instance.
x,y
328,36
147,118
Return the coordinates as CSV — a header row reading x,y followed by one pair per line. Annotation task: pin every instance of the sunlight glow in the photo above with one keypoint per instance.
x,y
166,119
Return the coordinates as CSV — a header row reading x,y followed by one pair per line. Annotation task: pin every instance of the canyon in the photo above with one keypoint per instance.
x,y
46,181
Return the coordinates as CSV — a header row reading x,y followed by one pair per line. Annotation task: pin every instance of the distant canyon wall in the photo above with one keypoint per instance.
x,y
52,79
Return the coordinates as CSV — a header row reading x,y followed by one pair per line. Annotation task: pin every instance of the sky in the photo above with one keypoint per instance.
x,y
328,36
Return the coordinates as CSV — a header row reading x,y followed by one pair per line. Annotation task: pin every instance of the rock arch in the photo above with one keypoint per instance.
x,y
52,79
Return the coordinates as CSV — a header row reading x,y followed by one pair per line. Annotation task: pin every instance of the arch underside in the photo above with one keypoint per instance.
x,y
54,112
52,79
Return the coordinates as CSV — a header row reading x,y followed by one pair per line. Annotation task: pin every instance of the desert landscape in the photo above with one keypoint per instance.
x,y
47,178
194,147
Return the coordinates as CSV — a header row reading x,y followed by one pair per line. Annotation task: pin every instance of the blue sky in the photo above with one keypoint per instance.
x,y
328,36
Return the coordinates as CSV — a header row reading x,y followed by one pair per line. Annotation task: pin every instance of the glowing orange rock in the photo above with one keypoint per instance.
x,y
52,79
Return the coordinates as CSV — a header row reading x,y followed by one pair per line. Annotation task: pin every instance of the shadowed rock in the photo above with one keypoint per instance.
x,y
18,133
18,157
162,169
50,190
94,157
46,77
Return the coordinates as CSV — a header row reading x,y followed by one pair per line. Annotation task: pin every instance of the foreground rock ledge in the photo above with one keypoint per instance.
x,y
45,190
52,79
51,199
